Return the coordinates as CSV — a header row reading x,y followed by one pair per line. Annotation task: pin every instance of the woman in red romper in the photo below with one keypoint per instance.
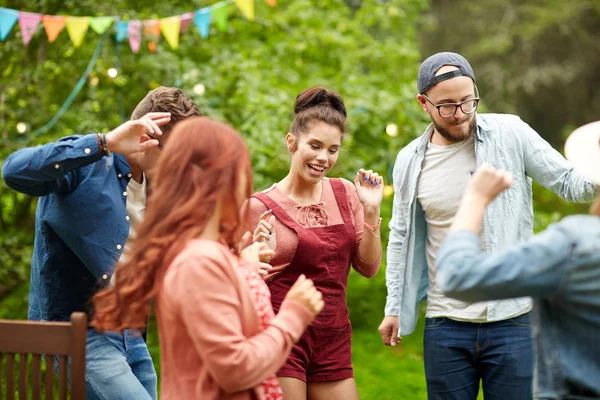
x,y
323,226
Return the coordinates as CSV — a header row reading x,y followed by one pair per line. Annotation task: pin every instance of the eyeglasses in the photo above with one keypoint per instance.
x,y
446,110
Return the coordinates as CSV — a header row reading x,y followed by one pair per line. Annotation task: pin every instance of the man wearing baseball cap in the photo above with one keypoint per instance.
x,y
559,268
466,343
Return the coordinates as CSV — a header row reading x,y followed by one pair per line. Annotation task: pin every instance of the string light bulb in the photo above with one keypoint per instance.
x,y
112,72
391,130
21,127
199,89
388,190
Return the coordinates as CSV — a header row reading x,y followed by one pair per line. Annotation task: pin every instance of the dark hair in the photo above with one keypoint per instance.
x,y
167,99
202,166
318,104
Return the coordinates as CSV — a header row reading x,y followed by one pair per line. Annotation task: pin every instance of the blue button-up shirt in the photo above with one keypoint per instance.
x,y
80,222
505,142
560,269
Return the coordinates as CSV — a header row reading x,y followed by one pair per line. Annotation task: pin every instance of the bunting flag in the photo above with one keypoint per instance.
x,y
246,7
53,24
8,19
122,29
185,20
202,21
76,28
28,22
220,15
170,28
134,31
152,33
101,24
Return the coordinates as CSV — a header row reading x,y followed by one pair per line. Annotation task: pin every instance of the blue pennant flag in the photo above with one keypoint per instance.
x,y
8,18
122,30
202,21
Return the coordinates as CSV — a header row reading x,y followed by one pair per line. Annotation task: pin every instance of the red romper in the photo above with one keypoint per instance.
x,y
323,254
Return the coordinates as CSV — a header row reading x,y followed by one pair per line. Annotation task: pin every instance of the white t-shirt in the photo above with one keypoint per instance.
x,y
135,206
443,180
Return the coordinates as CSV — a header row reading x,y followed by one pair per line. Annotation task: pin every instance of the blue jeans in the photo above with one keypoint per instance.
x,y
460,354
118,366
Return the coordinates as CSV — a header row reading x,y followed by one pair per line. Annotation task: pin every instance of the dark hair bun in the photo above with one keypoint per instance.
x,y
319,96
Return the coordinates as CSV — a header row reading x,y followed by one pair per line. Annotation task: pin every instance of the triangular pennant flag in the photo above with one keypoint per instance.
x,y
134,31
122,29
170,28
185,20
8,19
246,7
202,21
220,17
101,24
77,27
28,22
272,3
152,33
53,24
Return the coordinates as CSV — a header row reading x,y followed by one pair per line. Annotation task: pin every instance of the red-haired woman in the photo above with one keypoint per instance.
x,y
323,226
219,337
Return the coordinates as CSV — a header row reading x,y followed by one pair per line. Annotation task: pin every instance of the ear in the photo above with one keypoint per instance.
x,y
291,142
423,103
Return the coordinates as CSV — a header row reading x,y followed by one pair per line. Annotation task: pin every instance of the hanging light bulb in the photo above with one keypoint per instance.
x,y
112,72
199,89
388,190
21,127
391,130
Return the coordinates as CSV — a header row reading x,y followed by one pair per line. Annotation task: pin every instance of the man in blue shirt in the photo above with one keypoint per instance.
x,y
83,221
559,268
465,343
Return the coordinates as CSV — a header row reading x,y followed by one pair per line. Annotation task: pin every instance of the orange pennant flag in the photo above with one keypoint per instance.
x,y
53,24
152,33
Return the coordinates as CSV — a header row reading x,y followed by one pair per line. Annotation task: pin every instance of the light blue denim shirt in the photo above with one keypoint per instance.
x,y
560,269
506,142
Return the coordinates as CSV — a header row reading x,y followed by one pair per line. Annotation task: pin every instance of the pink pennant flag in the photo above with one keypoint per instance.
x,y
134,32
185,20
28,23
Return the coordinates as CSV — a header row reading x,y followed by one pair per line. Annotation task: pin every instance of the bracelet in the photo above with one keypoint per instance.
x,y
104,147
372,228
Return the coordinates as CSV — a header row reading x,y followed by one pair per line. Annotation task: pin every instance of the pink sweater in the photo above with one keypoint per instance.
x,y
323,214
210,338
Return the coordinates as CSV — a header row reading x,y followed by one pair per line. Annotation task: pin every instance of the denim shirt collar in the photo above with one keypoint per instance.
x,y
482,126
121,164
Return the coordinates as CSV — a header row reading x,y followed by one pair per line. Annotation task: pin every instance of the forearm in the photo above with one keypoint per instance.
x,y
39,170
369,249
469,216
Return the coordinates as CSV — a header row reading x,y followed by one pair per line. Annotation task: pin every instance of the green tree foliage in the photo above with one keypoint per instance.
x,y
251,73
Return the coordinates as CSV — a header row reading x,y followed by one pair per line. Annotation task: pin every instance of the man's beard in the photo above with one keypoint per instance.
x,y
456,137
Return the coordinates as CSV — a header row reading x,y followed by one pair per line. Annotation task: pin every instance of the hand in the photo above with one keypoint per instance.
x,y
389,331
265,232
255,253
369,187
305,293
127,138
488,182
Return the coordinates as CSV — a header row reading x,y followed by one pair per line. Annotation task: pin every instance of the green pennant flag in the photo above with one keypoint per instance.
x,y
101,24
219,15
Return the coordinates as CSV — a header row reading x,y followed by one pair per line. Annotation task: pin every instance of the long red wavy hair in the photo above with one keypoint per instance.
x,y
203,162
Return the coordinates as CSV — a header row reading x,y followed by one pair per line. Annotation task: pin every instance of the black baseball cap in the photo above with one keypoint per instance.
x,y
431,66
